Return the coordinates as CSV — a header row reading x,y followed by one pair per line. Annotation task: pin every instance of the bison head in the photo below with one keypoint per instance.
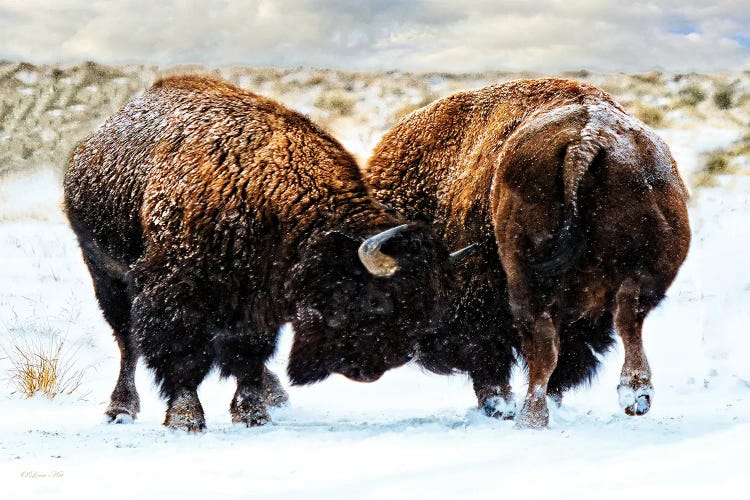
x,y
361,307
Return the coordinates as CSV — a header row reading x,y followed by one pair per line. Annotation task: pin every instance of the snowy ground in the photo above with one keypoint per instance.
x,y
410,435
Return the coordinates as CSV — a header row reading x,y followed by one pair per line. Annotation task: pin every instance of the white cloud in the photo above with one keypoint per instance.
x,y
418,35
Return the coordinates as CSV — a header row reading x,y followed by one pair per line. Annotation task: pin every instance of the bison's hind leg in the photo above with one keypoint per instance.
x,y
114,301
635,391
581,342
243,356
172,329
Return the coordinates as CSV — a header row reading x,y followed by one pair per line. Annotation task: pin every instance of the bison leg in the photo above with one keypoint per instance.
x,y
248,405
114,301
254,394
541,347
495,397
635,390
242,354
185,412
273,392
124,403
172,335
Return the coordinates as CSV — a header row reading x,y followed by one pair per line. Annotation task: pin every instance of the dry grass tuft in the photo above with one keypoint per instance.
x,y
731,159
651,78
42,366
652,116
724,95
691,95
336,102
715,163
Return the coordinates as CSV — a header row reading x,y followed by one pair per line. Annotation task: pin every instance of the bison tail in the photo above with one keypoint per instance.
x,y
569,241
101,259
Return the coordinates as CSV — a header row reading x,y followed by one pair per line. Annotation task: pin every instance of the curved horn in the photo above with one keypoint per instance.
x,y
378,263
464,252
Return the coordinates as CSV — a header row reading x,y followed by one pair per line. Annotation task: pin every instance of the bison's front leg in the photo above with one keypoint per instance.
x,y
495,398
185,412
541,346
273,392
242,354
248,405
635,390
254,394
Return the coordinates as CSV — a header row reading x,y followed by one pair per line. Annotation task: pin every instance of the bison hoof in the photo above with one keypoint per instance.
x,y
503,408
249,408
635,401
188,422
253,418
121,413
118,417
277,397
534,415
186,413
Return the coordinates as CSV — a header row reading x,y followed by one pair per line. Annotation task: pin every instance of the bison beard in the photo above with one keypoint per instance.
x,y
209,216
580,217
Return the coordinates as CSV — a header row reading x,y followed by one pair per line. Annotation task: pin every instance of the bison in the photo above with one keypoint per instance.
x,y
208,216
579,218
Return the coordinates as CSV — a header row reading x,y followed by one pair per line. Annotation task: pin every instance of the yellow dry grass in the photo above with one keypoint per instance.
x,y
42,366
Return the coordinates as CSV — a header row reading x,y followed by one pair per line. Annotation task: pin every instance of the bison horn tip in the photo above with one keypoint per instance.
x,y
374,260
464,252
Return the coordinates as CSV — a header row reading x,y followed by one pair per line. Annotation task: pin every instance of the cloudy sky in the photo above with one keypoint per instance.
x,y
414,35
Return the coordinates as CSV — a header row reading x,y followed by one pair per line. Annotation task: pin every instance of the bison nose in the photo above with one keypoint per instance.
x,y
364,375
370,377
360,374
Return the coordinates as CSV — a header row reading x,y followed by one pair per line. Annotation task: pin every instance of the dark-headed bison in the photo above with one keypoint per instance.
x,y
208,216
579,214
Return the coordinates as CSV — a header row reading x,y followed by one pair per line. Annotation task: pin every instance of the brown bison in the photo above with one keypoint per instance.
x,y
208,216
584,207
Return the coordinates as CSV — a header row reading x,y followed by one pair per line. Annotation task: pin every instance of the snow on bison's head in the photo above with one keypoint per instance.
x,y
363,306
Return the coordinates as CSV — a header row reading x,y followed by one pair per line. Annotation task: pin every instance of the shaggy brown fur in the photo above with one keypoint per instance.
x,y
209,216
586,210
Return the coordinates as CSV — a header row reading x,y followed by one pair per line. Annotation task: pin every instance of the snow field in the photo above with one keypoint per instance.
x,y
411,434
